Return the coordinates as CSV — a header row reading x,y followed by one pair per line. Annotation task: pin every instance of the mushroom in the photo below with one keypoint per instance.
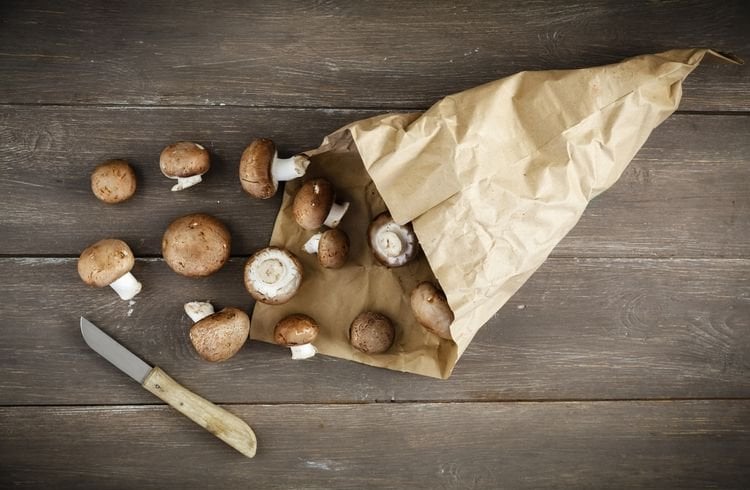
x,y
108,263
315,205
297,332
113,181
261,169
392,244
186,162
217,336
272,275
371,333
332,247
431,309
196,245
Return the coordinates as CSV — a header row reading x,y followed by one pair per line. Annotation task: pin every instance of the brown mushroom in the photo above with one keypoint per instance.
x,y
273,275
372,333
113,181
430,308
196,245
261,169
392,244
217,336
315,205
297,332
186,162
331,246
108,263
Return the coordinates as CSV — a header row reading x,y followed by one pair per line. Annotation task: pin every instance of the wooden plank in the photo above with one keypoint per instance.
x,y
579,329
691,444
338,54
684,195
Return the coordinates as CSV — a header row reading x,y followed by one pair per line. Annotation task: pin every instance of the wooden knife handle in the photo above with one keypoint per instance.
x,y
224,425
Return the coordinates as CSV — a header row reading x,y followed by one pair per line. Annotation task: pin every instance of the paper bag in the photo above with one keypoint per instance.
x,y
491,178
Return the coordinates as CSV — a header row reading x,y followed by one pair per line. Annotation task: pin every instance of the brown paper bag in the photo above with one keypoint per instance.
x,y
491,178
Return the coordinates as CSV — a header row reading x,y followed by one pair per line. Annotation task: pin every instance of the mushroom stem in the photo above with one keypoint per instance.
x,y
336,214
283,169
303,351
185,182
198,310
126,286
311,246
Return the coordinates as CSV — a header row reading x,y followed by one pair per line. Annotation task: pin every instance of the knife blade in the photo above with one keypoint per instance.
x,y
221,423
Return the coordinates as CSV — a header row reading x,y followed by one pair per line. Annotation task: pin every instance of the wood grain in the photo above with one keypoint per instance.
x,y
691,444
579,329
684,195
387,54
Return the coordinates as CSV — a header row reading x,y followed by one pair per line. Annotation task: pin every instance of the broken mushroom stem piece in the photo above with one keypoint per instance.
x,y
392,244
198,310
315,205
186,162
331,247
297,332
217,336
261,169
108,262
272,275
431,309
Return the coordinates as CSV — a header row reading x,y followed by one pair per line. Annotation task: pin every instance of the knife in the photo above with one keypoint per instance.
x,y
224,425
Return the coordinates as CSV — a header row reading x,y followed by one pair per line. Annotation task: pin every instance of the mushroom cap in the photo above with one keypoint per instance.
x,y
430,308
333,249
196,245
312,203
184,159
272,275
113,181
255,168
372,333
221,335
295,330
393,245
104,262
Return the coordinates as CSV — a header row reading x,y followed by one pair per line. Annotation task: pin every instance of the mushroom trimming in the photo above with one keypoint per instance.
x,y
331,246
196,245
272,275
297,332
261,169
315,205
371,333
392,244
217,336
186,162
113,181
108,262
430,308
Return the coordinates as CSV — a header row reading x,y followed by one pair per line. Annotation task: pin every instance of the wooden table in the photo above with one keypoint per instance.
x,y
624,362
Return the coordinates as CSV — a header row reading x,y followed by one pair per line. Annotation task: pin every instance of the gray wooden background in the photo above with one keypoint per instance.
x,y
624,362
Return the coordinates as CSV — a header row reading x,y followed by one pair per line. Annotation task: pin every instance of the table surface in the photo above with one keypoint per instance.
x,y
624,361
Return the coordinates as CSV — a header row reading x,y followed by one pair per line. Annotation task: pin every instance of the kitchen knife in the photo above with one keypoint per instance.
x,y
227,427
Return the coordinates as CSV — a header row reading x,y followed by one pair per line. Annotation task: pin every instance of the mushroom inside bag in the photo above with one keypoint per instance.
x,y
490,179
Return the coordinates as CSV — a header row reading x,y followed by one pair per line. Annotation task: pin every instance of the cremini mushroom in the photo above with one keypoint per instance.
x,y
108,263
113,181
392,244
371,333
315,205
186,162
196,245
261,169
430,308
331,246
273,275
297,332
217,336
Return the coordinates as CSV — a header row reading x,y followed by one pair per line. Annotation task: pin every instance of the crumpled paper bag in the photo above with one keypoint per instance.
x,y
492,179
